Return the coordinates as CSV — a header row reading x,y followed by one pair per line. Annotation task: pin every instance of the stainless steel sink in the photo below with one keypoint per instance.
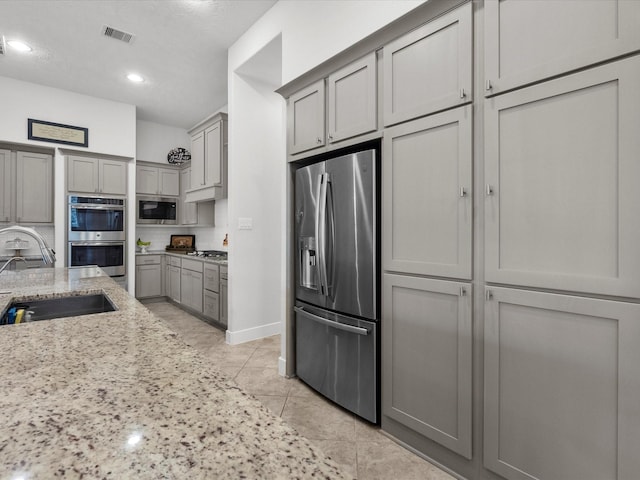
x,y
59,307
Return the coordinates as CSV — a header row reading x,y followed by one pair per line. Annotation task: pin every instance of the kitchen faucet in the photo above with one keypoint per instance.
x,y
48,255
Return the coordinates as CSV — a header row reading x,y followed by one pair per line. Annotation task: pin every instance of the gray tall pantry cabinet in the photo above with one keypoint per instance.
x,y
510,286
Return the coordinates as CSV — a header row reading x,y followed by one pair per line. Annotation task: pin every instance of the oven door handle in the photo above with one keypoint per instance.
x,y
331,323
98,207
95,244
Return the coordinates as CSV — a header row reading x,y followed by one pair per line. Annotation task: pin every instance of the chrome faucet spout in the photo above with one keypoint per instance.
x,y
48,254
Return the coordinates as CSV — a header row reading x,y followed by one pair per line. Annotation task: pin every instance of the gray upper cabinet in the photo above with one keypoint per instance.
x,y
305,114
427,358
189,213
209,160
96,175
26,180
561,386
157,181
528,40
34,188
430,68
5,184
352,93
427,198
561,166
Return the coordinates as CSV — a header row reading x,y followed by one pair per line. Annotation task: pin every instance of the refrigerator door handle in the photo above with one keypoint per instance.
x,y
332,324
330,258
321,233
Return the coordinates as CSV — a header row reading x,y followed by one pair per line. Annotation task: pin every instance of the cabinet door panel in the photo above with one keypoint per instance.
x,y
561,381
6,185
169,182
429,69
82,174
148,281
211,307
34,188
305,113
529,40
427,218
353,99
426,358
189,214
113,177
213,155
147,180
561,164
197,160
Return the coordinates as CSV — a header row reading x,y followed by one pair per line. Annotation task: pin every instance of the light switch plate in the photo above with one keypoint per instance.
x,y
245,223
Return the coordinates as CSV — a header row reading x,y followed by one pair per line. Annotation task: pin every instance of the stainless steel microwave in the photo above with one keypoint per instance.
x,y
157,210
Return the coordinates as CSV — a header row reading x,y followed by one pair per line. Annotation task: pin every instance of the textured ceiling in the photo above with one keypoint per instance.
x,y
180,48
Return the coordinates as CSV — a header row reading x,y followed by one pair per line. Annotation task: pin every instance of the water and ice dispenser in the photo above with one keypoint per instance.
x,y
308,264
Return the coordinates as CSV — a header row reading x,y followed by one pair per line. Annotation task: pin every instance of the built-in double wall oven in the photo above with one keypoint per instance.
x,y
97,233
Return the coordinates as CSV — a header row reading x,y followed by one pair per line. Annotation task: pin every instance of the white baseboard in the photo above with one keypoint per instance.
x,y
255,333
282,366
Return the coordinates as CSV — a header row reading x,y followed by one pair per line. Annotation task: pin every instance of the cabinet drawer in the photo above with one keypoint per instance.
x,y
212,277
223,273
211,307
193,265
148,259
174,261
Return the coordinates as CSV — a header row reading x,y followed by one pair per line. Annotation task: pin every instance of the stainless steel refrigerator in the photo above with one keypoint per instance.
x,y
336,280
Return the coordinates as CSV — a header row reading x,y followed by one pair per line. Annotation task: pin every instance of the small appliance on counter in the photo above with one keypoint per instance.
x,y
182,244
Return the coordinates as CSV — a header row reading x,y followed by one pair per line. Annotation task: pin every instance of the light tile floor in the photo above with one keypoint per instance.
x,y
356,445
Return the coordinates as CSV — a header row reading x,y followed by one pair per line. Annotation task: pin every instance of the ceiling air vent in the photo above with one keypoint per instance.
x,y
3,47
125,37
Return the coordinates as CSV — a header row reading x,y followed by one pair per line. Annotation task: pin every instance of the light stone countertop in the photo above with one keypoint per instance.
x,y
183,255
118,395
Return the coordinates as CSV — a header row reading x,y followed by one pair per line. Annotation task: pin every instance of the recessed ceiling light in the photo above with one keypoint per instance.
x,y
18,45
134,77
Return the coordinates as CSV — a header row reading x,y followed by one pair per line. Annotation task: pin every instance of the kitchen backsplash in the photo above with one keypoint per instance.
x,y
207,238
33,250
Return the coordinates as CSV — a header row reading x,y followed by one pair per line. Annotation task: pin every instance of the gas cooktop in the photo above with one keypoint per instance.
x,y
216,254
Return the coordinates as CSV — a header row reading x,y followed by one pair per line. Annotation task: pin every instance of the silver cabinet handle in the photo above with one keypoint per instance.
x,y
463,192
488,85
462,93
332,324
489,190
330,137
318,140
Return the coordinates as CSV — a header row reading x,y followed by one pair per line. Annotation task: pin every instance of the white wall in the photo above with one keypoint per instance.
x,y
112,131
154,141
310,33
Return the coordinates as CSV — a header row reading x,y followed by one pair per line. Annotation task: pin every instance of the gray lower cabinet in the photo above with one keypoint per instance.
x,y
191,284
427,358
427,198
522,45
224,297
211,297
174,282
149,276
561,169
561,386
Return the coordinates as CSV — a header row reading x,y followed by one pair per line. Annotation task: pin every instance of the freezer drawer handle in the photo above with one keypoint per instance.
x,y
339,326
